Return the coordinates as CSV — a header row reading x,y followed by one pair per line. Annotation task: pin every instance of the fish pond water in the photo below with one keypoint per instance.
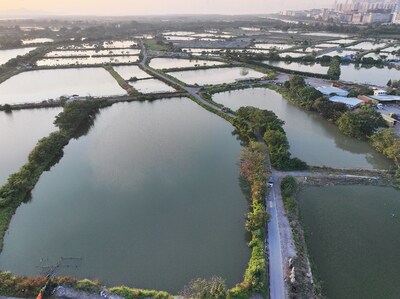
x,y
50,84
216,75
150,198
352,235
20,131
311,138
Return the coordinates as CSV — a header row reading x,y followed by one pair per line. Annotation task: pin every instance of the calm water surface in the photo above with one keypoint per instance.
x,y
311,138
6,55
45,84
373,75
350,72
297,66
19,133
168,63
353,239
216,76
150,198
129,71
87,60
151,86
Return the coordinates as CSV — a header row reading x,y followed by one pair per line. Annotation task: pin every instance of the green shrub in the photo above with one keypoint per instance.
x,y
87,285
288,189
130,293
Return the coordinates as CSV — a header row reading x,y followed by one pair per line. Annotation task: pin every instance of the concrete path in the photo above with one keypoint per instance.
x,y
276,276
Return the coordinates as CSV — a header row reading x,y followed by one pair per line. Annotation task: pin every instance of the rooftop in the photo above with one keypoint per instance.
x,y
385,98
352,102
327,90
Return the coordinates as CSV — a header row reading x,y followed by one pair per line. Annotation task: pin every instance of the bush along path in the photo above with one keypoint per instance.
x,y
254,175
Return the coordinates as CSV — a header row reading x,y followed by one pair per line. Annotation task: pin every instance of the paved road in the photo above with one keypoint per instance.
x,y
276,276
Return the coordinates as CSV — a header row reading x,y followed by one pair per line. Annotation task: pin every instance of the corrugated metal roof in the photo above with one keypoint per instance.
x,y
352,102
386,98
327,90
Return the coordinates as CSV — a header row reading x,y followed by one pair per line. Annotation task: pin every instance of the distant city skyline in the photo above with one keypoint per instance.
x,y
150,7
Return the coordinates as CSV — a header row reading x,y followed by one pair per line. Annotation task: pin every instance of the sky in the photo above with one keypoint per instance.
x,y
148,7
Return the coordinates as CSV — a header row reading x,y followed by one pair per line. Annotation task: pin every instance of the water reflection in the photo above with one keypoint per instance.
x,y
311,138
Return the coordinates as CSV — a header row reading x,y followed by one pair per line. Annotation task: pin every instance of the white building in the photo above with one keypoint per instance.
x,y
379,92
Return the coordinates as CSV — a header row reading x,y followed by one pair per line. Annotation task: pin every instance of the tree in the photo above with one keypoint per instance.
x,y
353,93
388,143
256,219
360,124
329,110
199,288
296,81
7,108
310,93
260,120
334,69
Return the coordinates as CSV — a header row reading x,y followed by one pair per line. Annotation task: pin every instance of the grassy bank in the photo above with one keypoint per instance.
x,y
253,172
21,286
125,85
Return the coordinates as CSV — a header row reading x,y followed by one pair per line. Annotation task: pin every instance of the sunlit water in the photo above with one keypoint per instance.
x,y
19,133
36,86
150,198
311,138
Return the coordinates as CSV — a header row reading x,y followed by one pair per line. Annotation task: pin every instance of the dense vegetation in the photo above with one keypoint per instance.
x,y
387,142
268,125
334,69
213,288
252,170
130,293
297,92
309,98
21,286
362,123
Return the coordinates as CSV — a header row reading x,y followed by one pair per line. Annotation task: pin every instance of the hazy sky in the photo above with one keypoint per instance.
x,y
131,7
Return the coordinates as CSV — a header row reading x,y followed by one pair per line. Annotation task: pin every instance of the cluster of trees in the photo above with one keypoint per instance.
x,y
271,128
78,116
29,59
387,142
252,170
334,69
362,123
296,90
394,86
